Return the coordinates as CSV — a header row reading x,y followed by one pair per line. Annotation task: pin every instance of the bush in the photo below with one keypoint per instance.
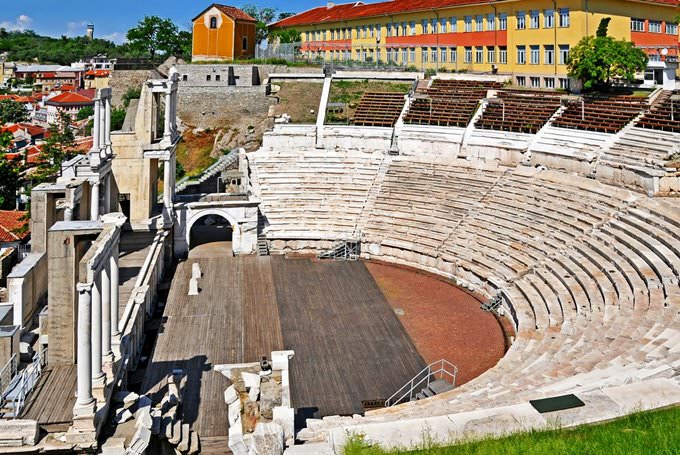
x,y
133,93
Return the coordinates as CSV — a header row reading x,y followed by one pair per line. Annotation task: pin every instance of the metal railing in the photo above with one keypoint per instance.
x,y
441,369
342,251
23,383
8,372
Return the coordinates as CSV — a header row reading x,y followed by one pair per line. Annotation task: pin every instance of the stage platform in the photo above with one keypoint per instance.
x,y
349,345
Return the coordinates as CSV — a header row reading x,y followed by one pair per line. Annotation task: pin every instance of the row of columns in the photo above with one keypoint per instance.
x,y
169,176
98,306
101,133
170,126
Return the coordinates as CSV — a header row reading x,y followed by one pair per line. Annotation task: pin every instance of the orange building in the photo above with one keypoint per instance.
x,y
223,33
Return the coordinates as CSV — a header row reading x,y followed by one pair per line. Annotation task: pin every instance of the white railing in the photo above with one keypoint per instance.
x,y
441,369
24,382
8,372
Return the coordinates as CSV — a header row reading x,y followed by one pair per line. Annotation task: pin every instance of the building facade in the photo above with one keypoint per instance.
x,y
530,39
223,32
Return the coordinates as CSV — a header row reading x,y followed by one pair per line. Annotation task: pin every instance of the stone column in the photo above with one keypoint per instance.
x,y
102,127
115,303
107,353
167,189
97,125
94,200
85,401
107,124
168,113
107,193
68,213
97,373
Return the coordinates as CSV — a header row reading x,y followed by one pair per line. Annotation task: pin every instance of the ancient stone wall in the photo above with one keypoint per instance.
x,y
122,80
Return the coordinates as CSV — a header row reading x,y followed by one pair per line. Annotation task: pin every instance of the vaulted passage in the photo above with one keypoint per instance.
x,y
210,229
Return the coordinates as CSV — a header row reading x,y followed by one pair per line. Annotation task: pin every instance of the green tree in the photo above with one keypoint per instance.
x,y
12,112
285,36
85,112
132,93
9,175
598,61
117,119
58,147
154,35
263,16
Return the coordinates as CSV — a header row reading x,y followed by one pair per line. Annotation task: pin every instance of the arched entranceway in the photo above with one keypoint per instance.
x,y
211,229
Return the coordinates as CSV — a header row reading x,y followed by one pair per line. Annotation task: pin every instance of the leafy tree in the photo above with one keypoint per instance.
x,y
117,119
154,35
263,16
597,61
132,93
58,147
9,175
284,36
12,112
85,112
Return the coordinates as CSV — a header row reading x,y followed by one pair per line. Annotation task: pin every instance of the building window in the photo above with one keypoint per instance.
x,y
521,20
468,23
434,26
413,27
535,55
654,57
442,54
404,55
549,58
503,55
549,82
453,24
491,54
479,54
503,21
434,53
655,26
444,24
412,56
245,43
389,30
185,77
535,82
404,29
468,54
564,83
218,78
491,22
521,55
671,29
213,22
208,77
425,24
423,54
479,23
534,19
564,17
454,54
564,54
549,18
521,81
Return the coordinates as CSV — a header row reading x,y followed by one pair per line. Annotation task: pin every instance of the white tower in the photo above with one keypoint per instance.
x,y
90,32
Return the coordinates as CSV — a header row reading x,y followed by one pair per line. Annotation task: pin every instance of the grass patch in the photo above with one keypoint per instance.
x,y
349,93
652,432
193,152
300,100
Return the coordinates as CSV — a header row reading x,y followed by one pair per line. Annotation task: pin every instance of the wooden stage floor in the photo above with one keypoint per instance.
x,y
349,345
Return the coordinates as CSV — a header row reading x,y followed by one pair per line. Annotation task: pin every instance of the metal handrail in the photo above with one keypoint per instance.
x,y
441,369
27,380
8,372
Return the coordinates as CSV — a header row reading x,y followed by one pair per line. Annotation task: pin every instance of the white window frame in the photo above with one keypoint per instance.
x,y
564,18
467,58
654,26
503,55
521,55
468,24
549,18
503,21
549,54
491,21
453,24
479,23
637,24
521,20
564,54
534,19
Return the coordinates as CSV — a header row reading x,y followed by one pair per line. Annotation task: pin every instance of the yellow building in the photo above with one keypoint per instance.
x,y
529,39
223,32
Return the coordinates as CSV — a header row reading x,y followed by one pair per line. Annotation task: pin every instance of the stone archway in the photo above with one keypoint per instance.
x,y
210,228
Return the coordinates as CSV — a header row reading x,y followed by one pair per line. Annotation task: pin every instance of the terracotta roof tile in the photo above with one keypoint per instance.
x,y
10,222
70,98
230,11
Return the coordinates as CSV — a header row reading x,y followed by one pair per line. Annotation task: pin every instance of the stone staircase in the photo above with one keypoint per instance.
x,y
262,246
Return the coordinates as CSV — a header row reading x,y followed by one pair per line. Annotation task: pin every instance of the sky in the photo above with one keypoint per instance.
x,y
113,18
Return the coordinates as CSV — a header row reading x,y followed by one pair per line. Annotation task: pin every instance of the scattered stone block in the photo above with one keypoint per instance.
x,y
114,446
230,395
236,443
280,359
251,414
125,397
123,416
15,433
140,441
176,433
270,397
183,445
267,439
196,270
195,444
193,286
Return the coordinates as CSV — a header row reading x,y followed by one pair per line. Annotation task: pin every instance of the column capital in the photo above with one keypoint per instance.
x,y
84,287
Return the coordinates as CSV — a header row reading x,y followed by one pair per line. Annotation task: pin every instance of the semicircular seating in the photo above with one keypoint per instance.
x,y
588,272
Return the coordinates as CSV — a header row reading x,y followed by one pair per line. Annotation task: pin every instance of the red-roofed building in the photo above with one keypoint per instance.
x,y
69,103
528,39
97,79
14,228
222,32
